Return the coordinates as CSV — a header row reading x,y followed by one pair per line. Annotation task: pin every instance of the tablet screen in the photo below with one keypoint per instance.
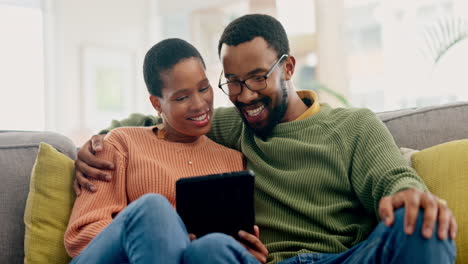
x,y
217,203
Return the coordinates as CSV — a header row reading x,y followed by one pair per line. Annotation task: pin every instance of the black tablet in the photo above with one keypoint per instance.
x,y
217,203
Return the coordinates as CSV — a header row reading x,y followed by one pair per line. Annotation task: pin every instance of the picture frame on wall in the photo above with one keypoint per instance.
x,y
108,83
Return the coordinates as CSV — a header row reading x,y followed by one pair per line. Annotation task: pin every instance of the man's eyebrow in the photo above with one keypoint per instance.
x,y
257,70
252,72
229,75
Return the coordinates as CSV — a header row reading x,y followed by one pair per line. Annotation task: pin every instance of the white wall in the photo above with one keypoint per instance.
x,y
113,24
175,6
21,67
332,67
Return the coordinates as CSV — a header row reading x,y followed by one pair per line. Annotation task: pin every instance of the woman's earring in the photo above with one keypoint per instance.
x,y
161,132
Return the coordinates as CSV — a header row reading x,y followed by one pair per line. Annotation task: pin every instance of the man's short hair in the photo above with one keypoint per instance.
x,y
248,27
162,57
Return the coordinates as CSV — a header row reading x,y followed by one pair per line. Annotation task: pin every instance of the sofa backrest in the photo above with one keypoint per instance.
x,y
425,127
18,152
412,128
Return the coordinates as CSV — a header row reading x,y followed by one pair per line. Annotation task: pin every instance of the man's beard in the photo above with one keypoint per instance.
x,y
276,115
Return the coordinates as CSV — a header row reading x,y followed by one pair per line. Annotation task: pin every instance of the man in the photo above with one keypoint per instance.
x,y
324,177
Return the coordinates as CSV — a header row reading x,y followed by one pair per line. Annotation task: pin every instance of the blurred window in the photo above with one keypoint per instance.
x,y
388,64
21,66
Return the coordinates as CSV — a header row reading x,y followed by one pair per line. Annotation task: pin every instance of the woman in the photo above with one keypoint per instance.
x,y
122,224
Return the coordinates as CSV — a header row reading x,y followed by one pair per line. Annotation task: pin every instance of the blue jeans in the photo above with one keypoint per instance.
x,y
389,245
150,231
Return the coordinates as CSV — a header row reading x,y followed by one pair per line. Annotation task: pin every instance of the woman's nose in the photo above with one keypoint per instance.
x,y
198,102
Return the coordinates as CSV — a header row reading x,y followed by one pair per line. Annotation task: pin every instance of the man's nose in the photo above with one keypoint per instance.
x,y
246,96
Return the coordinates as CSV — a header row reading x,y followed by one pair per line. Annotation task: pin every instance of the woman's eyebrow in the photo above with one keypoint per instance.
x,y
203,81
187,89
179,92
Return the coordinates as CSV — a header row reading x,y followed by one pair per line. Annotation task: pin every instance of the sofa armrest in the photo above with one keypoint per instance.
x,y
18,151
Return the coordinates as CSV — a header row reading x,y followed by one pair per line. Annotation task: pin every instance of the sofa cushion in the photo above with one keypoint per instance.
x,y
444,169
18,151
48,208
428,126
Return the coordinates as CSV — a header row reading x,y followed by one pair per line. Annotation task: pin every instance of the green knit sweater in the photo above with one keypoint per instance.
x,y
318,180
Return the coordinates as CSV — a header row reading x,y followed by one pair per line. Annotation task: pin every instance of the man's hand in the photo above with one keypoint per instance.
x,y
435,209
192,237
254,245
87,166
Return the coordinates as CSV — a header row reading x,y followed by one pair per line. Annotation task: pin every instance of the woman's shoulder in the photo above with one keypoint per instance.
x,y
125,137
229,159
128,132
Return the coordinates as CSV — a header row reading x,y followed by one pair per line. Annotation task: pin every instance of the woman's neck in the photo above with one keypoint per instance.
x,y
169,134
180,139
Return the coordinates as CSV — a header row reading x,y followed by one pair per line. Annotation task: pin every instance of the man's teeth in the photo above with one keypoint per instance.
x,y
200,118
255,111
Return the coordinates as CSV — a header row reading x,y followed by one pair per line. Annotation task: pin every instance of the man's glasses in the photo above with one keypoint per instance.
x,y
255,83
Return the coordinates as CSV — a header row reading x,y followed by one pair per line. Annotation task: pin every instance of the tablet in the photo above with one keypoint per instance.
x,y
217,203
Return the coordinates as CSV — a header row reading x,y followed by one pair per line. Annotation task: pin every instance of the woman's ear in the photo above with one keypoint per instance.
x,y
156,102
289,65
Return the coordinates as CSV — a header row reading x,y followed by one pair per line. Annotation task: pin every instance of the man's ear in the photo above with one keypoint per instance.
x,y
289,65
156,102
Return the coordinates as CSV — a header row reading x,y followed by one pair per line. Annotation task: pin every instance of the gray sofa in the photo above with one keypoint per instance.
x,y
412,128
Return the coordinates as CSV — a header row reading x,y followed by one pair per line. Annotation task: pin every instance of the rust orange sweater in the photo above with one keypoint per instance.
x,y
144,164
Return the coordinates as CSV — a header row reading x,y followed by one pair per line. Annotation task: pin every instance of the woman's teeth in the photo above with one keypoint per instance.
x,y
200,118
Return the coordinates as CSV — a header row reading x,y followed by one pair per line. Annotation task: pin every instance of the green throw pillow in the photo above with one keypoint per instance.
x,y
48,208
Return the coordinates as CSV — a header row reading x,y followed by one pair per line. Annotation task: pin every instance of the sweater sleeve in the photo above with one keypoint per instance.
x,y
378,169
92,212
133,120
225,130
226,127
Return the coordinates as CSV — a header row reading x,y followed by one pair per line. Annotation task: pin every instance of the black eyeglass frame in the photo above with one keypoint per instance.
x,y
243,83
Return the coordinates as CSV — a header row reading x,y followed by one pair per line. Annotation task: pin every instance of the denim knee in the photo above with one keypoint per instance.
x,y
217,248
399,218
147,205
213,242
151,201
399,221
416,242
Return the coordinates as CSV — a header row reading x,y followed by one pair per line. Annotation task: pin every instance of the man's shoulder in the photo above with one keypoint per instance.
x,y
348,115
351,112
227,119
135,119
225,112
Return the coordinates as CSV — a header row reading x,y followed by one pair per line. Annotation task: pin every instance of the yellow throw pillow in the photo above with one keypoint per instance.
x,y
444,169
48,208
